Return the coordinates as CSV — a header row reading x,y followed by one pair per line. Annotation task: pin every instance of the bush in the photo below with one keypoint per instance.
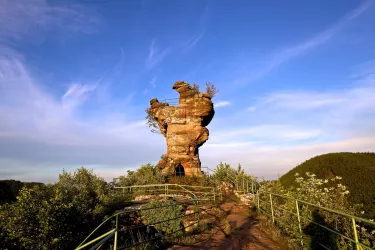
x,y
211,90
57,216
163,210
146,174
328,193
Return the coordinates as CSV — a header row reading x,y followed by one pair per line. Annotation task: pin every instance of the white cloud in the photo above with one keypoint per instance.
x,y
222,104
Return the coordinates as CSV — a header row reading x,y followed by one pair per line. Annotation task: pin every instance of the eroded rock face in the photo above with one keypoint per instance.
x,y
184,127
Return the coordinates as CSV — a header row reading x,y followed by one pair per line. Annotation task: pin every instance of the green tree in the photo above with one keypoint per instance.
x,y
60,215
146,174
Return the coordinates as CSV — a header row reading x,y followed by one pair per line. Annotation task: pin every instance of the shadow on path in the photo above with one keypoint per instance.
x,y
246,233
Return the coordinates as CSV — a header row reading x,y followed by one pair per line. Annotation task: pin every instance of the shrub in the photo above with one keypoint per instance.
x,y
151,121
163,210
328,193
146,174
195,87
211,89
57,216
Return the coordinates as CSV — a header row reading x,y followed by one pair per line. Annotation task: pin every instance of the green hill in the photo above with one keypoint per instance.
x,y
356,169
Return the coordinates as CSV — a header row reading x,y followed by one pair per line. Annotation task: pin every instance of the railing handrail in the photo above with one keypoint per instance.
x,y
323,208
183,187
80,246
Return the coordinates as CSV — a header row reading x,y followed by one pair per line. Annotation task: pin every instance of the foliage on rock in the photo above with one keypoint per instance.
x,y
211,90
151,121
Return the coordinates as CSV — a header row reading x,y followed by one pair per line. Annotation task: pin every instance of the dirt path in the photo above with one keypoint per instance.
x,y
246,233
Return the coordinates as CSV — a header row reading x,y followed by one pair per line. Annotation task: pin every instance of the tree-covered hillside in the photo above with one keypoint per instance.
x,y
356,169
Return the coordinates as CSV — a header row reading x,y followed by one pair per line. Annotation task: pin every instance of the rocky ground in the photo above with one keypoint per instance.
x,y
246,232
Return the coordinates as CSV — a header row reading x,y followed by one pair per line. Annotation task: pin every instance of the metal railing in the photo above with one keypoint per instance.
x,y
183,191
306,221
309,221
242,182
132,232
171,101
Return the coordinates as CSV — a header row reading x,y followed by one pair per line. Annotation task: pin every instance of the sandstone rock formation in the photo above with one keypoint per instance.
x,y
184,127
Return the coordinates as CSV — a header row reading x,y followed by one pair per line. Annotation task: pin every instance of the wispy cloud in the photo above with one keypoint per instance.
x,y
156,55
251,108
285,128
20,19
286,54
268,160
222,104
35,120
265,134
76,94
192,42
153,82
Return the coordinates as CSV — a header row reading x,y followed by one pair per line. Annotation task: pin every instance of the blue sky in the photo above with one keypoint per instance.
x,y
296,79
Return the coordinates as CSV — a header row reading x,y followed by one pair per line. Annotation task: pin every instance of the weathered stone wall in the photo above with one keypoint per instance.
x,y
184,128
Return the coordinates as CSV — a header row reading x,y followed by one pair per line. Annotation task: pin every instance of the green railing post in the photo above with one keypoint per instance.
x,y
299,222
197,210
115,241
273,217
355,235
247,186
243,183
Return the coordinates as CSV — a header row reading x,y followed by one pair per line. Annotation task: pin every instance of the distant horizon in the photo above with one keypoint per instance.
x,y
296,80
109,179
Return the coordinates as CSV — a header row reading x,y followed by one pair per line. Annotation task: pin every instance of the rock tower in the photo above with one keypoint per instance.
x,y
184,127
